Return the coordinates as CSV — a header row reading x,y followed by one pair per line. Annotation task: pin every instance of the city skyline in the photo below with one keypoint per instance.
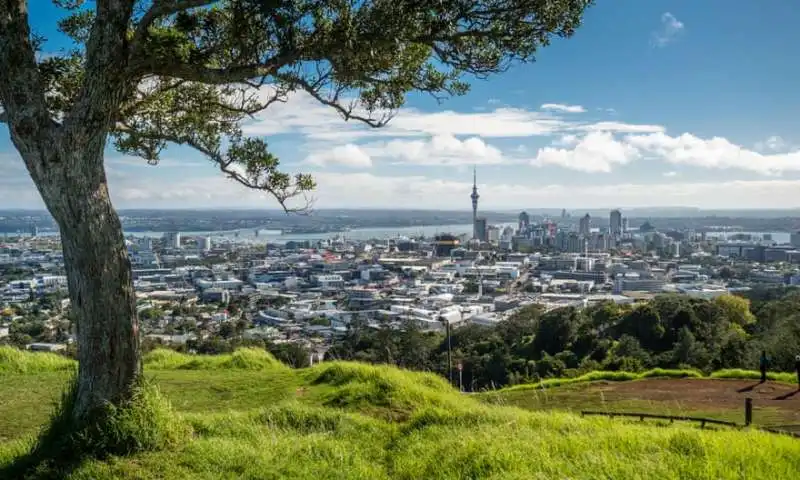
x,y
648,105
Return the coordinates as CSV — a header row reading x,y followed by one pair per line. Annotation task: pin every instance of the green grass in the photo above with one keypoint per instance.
x,y
740,374
14,361
241,359
607,376
259,420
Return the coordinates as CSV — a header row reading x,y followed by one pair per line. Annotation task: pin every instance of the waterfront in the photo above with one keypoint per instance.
x,y
274,236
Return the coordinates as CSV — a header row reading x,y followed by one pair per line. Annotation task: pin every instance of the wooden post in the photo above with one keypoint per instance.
x,y
748,411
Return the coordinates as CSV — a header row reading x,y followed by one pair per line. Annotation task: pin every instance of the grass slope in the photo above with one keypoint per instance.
x,y
347,420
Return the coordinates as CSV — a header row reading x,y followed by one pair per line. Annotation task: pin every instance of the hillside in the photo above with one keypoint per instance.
x,y
247,416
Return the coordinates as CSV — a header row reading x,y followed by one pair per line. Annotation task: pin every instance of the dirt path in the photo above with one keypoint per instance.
x,y
769,399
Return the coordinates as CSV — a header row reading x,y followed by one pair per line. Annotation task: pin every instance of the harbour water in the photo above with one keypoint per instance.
x,y
276,236
354,234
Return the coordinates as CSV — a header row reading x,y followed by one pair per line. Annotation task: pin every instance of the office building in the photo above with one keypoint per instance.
x,y
585,225
204,244
615,223
172,240
480,229
524,221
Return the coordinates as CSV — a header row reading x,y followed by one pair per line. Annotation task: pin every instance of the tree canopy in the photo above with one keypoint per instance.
x,y
189,72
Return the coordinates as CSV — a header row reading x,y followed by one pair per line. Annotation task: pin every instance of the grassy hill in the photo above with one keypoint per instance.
x,y
247,416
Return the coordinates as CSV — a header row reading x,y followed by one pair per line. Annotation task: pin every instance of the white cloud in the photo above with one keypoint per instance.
x,y
716,152
596,152
568,140
348,155
204,188
560,107
670,28
303,115
618,127
438,150
772,144
673,173
418,192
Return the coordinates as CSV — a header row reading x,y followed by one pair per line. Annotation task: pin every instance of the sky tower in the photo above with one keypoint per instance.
x,y
475,198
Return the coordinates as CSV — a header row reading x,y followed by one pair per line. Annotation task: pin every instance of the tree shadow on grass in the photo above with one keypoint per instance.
x,y
144,422
788,395
749,388
55,453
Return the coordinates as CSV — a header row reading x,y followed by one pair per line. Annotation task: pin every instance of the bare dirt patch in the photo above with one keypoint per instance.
x,y
779,403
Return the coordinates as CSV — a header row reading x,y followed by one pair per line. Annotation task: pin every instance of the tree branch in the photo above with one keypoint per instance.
x,y
161,9
214,76
228,167
21,92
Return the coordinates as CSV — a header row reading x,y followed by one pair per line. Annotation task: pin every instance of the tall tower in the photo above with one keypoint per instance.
x,y
475,198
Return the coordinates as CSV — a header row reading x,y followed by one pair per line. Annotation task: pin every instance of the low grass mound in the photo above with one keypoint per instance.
x,y
296,441
506,443
740,374
344,420
608,377
15,361
395,392
241,359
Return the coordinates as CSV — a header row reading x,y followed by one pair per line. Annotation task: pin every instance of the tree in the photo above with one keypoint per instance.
x,y
736,309
556,330
187,72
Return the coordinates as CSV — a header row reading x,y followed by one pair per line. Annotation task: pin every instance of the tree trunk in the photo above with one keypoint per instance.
x,y
99,277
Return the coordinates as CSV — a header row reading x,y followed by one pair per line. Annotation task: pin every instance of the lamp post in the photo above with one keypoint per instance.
x,y
449,351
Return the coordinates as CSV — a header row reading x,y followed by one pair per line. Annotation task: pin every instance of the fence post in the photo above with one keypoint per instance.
x,y
748,411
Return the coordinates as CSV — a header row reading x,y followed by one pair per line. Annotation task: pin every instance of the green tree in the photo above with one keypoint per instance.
x,y
291,353
146,74
556,330
643,323
688,351
736,309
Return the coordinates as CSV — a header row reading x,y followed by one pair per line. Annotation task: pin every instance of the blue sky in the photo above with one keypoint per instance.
x,y
651,103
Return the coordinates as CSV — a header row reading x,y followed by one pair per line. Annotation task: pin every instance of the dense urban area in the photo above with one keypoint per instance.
x,y
504,304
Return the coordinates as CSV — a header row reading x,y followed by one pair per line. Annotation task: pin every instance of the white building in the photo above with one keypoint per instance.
x,y
172,239
204,244
329,282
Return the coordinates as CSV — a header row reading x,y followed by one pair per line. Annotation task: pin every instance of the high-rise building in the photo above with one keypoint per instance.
x,y
524,221
585,225
625,225
493,234
794,239
480,229
204,244
475,198
172,240
615,223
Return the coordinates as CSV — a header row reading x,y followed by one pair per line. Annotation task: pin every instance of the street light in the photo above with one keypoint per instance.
x,y
449,352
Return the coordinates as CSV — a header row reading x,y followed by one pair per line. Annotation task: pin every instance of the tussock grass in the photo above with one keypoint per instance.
x,y
15,361
394,392
241,359
332,431
607,376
